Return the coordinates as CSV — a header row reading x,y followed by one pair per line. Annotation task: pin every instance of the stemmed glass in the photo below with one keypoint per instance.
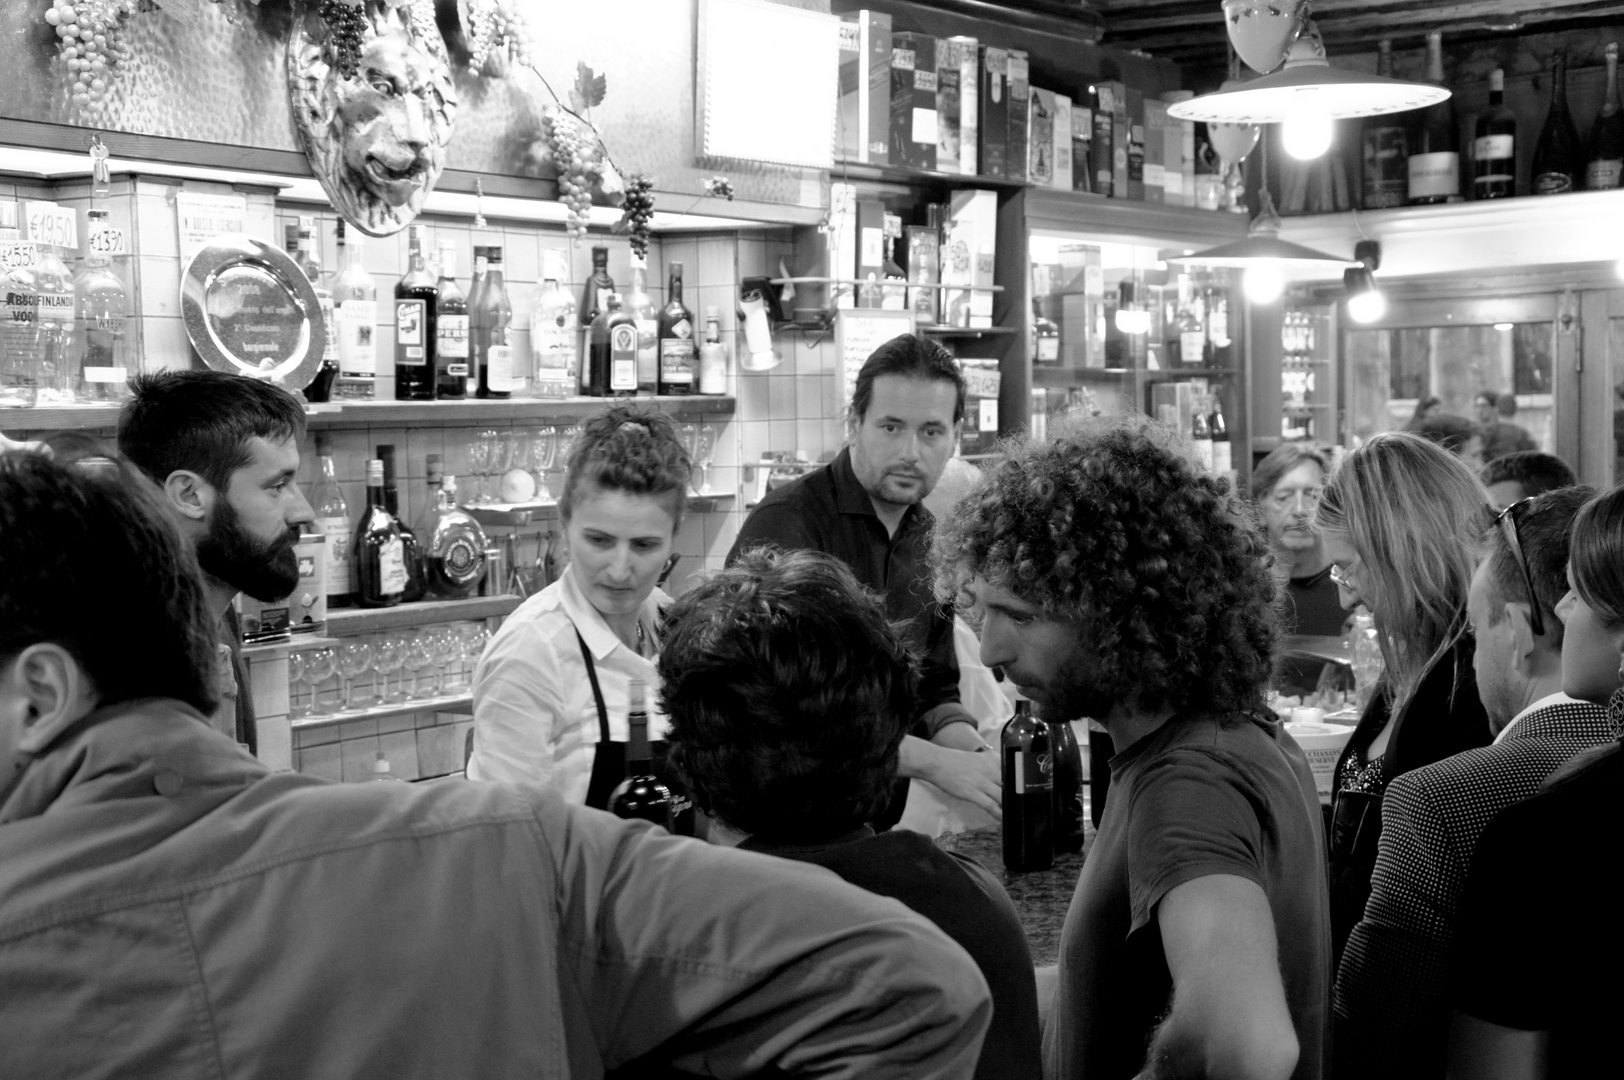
x,y
543,449
320,665
354,660
296,678
446,650
473,640
704,450
688,435
388,657
420,661
479,462
566,442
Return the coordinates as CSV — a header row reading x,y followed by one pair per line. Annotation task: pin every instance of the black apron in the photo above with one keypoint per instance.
x,y
609,762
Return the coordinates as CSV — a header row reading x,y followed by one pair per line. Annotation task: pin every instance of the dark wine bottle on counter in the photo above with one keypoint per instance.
x,y
594,297
1604,157
451,368
1385,148
380,554
640,795
676,339
415,297
1494,147
1028,795
415,583
1068,788
1434,140
1557,159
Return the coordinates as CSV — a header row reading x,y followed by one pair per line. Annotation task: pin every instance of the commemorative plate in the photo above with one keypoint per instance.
x,y
250,310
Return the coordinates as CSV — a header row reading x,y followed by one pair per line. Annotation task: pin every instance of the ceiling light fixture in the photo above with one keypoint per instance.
x,y
1366,302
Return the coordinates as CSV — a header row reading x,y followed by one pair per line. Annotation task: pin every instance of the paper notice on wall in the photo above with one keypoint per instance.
x,y
202,217
857,334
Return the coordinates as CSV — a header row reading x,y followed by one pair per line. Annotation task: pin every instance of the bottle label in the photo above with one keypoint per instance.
x,y
1434,176
712,368
556,347
411,337
106,374
1191,344
329,318
451,336
337,531
623,358
55,309
1048,348
1603,174
677,359
1552,183
1488,148
357,331
499,369
1033,772
648,351
392,567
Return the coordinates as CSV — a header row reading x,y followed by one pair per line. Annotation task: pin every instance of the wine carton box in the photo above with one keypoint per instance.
x,y
1040,137
1082,138
913,100
870,251
1100,149
981,385
924,268
949,119
865,87
969,58
992,112
1082,304
1184,183
1063,165
973,236
1136,144
1155,171
1117,94
1020,94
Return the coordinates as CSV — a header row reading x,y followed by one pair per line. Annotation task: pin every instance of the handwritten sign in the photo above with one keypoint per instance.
x,y
108,240
203,217
48,223
858,332
15,255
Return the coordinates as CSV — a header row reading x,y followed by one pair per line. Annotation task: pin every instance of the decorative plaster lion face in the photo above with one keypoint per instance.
x,y
376,139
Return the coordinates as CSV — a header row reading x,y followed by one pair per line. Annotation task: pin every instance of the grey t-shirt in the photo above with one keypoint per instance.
x,y
1190,800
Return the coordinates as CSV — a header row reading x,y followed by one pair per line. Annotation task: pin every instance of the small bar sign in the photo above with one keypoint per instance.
x,y
48,223
17,255
200,218
108,240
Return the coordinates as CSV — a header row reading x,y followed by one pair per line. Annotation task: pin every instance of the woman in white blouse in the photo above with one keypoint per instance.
x,y
551,690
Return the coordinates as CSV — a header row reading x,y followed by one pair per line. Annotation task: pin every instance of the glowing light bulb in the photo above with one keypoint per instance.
x,y
1367,307
1306,133
1619,268
1132,321
1264,282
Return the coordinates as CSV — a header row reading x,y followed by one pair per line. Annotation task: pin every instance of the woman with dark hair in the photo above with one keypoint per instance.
x,y
1286,488
552,692
1402,519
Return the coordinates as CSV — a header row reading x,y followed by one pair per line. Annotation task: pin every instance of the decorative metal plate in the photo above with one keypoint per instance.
x,y
250,310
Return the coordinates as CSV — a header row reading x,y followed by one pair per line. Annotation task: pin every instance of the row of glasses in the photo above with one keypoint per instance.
x,y
385,669
700,442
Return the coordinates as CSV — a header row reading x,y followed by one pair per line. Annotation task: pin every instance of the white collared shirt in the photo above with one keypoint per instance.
x,y
1558,698
535,718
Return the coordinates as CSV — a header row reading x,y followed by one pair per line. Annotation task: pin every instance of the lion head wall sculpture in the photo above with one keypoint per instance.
x,y
376,137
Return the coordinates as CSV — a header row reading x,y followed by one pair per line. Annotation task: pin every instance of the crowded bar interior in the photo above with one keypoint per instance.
x,y
1121,483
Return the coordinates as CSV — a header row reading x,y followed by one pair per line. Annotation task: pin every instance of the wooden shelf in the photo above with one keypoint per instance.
x,y
895,175
462,702
349,622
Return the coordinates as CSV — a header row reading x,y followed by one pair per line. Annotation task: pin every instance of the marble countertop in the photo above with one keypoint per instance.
x,y
1041,896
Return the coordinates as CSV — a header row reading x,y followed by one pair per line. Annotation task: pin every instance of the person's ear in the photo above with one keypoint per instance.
x,y
852,424
1524,641
52,693
189,495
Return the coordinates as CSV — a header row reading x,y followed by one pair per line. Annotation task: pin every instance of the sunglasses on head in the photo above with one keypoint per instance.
x,y
1506,521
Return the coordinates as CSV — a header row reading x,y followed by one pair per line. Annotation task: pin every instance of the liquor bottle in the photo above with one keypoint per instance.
x,y
623,344
640,795
894,290
1192,336
450,330
413,550
100,307
452,543
1494,149
554,339
1557,158
333,522
598,286
640,307
58,369
309,260
713,355
1028,795
1604,157
476,327
1201,435
1223,453
1385,148
380,554
381,772
355,313
599,371
1218,326
676,339
1068,788
415,297
498,377
1434,140
19,332
1045,335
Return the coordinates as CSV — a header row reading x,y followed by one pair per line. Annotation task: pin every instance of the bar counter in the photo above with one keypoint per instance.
x,y
1041,896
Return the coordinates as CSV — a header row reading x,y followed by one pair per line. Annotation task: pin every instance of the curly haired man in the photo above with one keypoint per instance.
x,y
1114,581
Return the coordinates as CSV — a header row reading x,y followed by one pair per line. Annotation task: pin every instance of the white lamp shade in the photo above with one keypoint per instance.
x,y
1334,92
1246,253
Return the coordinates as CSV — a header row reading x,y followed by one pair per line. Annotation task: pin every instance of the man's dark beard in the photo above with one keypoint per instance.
x,y
266,571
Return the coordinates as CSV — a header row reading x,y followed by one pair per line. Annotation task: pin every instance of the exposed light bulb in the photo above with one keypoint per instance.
x,y
1306,133
1505,327
1618,268
1264,282
1132,321
1367,307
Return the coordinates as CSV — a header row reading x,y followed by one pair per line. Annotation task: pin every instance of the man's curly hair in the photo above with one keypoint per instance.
x,y
1108,527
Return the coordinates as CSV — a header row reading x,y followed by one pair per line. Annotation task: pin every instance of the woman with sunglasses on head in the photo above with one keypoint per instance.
x,y
552,690
1402,520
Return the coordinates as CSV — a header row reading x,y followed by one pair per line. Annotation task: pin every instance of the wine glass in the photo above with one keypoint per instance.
x,y
479,462
354,660
543,448
296,678
388,657
474,638
688,436
320,665
705,449
445,648
566,442
420,661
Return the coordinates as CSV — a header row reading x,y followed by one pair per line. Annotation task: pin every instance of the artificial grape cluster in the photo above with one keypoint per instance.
x,y
421,14
498,37
346,27
91,45
637,211
576,154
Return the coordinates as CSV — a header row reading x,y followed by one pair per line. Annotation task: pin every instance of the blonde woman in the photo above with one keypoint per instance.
x,y
1402,520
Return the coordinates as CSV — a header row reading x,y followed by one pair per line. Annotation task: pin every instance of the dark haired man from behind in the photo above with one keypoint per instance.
x,y
788,695
170,906
1523,474
1114,581
866,508
224,450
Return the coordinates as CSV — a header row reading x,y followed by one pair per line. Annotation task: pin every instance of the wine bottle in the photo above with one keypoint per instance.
x,y
1604,157
1434,161
1045,336
554,339
307,253
415,297
1223,454
1201,435
355,313
598,286
640,307
333,521
1494,148
676,339
450,330
1068,788
412,550
640,795
380,554
1385,148
1191,335
1028,792
1556,156
58,371
477,338
498,377
20,373
713,355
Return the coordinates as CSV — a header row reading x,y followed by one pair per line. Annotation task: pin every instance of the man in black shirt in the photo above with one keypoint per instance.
x,y
865,508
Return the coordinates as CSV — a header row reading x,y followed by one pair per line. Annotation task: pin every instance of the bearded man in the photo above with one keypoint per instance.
x,y
224,450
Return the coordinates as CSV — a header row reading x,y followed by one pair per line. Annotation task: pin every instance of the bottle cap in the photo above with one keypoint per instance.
x,y
375,473
494,253
380,766
713,312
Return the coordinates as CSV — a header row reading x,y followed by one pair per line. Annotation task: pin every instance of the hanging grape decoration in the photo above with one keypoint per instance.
x,y
90,44
498,36
346,26
572,146
637,210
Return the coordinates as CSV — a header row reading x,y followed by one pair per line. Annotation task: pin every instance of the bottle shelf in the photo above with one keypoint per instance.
x,y
460,702
349,622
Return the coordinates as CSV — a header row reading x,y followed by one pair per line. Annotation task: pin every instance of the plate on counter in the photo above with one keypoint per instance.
x,y
250,310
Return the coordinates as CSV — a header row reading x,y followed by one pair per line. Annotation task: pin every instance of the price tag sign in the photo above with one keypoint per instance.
x,y
109,240
15,255
48,223
981,383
